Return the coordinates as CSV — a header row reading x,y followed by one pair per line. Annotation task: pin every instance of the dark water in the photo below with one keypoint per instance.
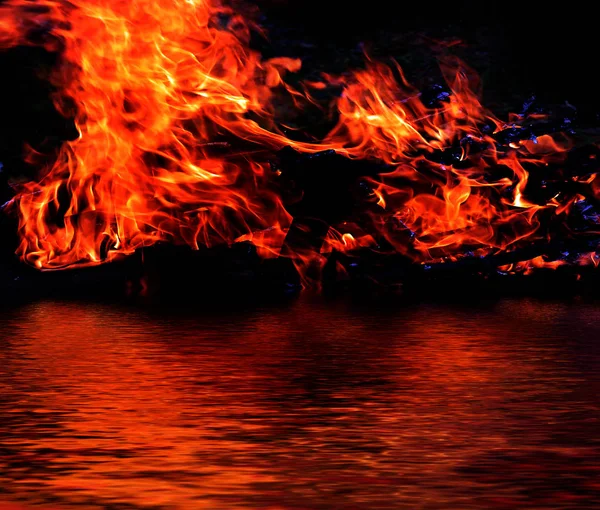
x,y
303,406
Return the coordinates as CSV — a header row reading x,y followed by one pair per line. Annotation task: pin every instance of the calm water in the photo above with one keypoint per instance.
x,y
304,406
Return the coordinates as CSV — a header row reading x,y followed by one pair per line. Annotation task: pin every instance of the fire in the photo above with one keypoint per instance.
x,y
162,91
151,83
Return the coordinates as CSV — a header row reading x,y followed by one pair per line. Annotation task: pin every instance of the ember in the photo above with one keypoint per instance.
x,y
182,140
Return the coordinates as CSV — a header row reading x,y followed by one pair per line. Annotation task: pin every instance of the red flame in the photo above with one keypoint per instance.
x,y
153,84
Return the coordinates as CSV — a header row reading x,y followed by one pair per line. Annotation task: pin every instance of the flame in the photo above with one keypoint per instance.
x,y
527,266
161,90
346,242
152,84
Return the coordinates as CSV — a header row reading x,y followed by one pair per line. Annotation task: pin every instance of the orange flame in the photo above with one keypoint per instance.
x,y
154,85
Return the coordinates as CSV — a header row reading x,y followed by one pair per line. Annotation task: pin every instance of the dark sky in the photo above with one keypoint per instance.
x,y
544,45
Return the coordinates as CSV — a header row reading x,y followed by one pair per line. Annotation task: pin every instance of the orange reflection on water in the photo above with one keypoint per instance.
x,y
310,406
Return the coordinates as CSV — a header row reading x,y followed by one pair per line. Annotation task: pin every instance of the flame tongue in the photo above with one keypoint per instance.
x,y
153,84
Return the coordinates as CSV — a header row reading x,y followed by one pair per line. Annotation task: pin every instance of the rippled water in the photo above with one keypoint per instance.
x,y
309,405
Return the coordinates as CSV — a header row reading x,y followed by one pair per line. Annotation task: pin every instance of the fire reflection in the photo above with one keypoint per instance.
x,y
282,408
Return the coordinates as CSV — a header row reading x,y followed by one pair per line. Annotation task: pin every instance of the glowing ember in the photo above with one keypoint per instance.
x,y
155,86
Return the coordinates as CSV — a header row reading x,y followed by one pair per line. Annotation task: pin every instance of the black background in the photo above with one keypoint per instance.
x,y
547,46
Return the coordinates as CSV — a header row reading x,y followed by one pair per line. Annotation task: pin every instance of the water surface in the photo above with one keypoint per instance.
x,y
308,405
